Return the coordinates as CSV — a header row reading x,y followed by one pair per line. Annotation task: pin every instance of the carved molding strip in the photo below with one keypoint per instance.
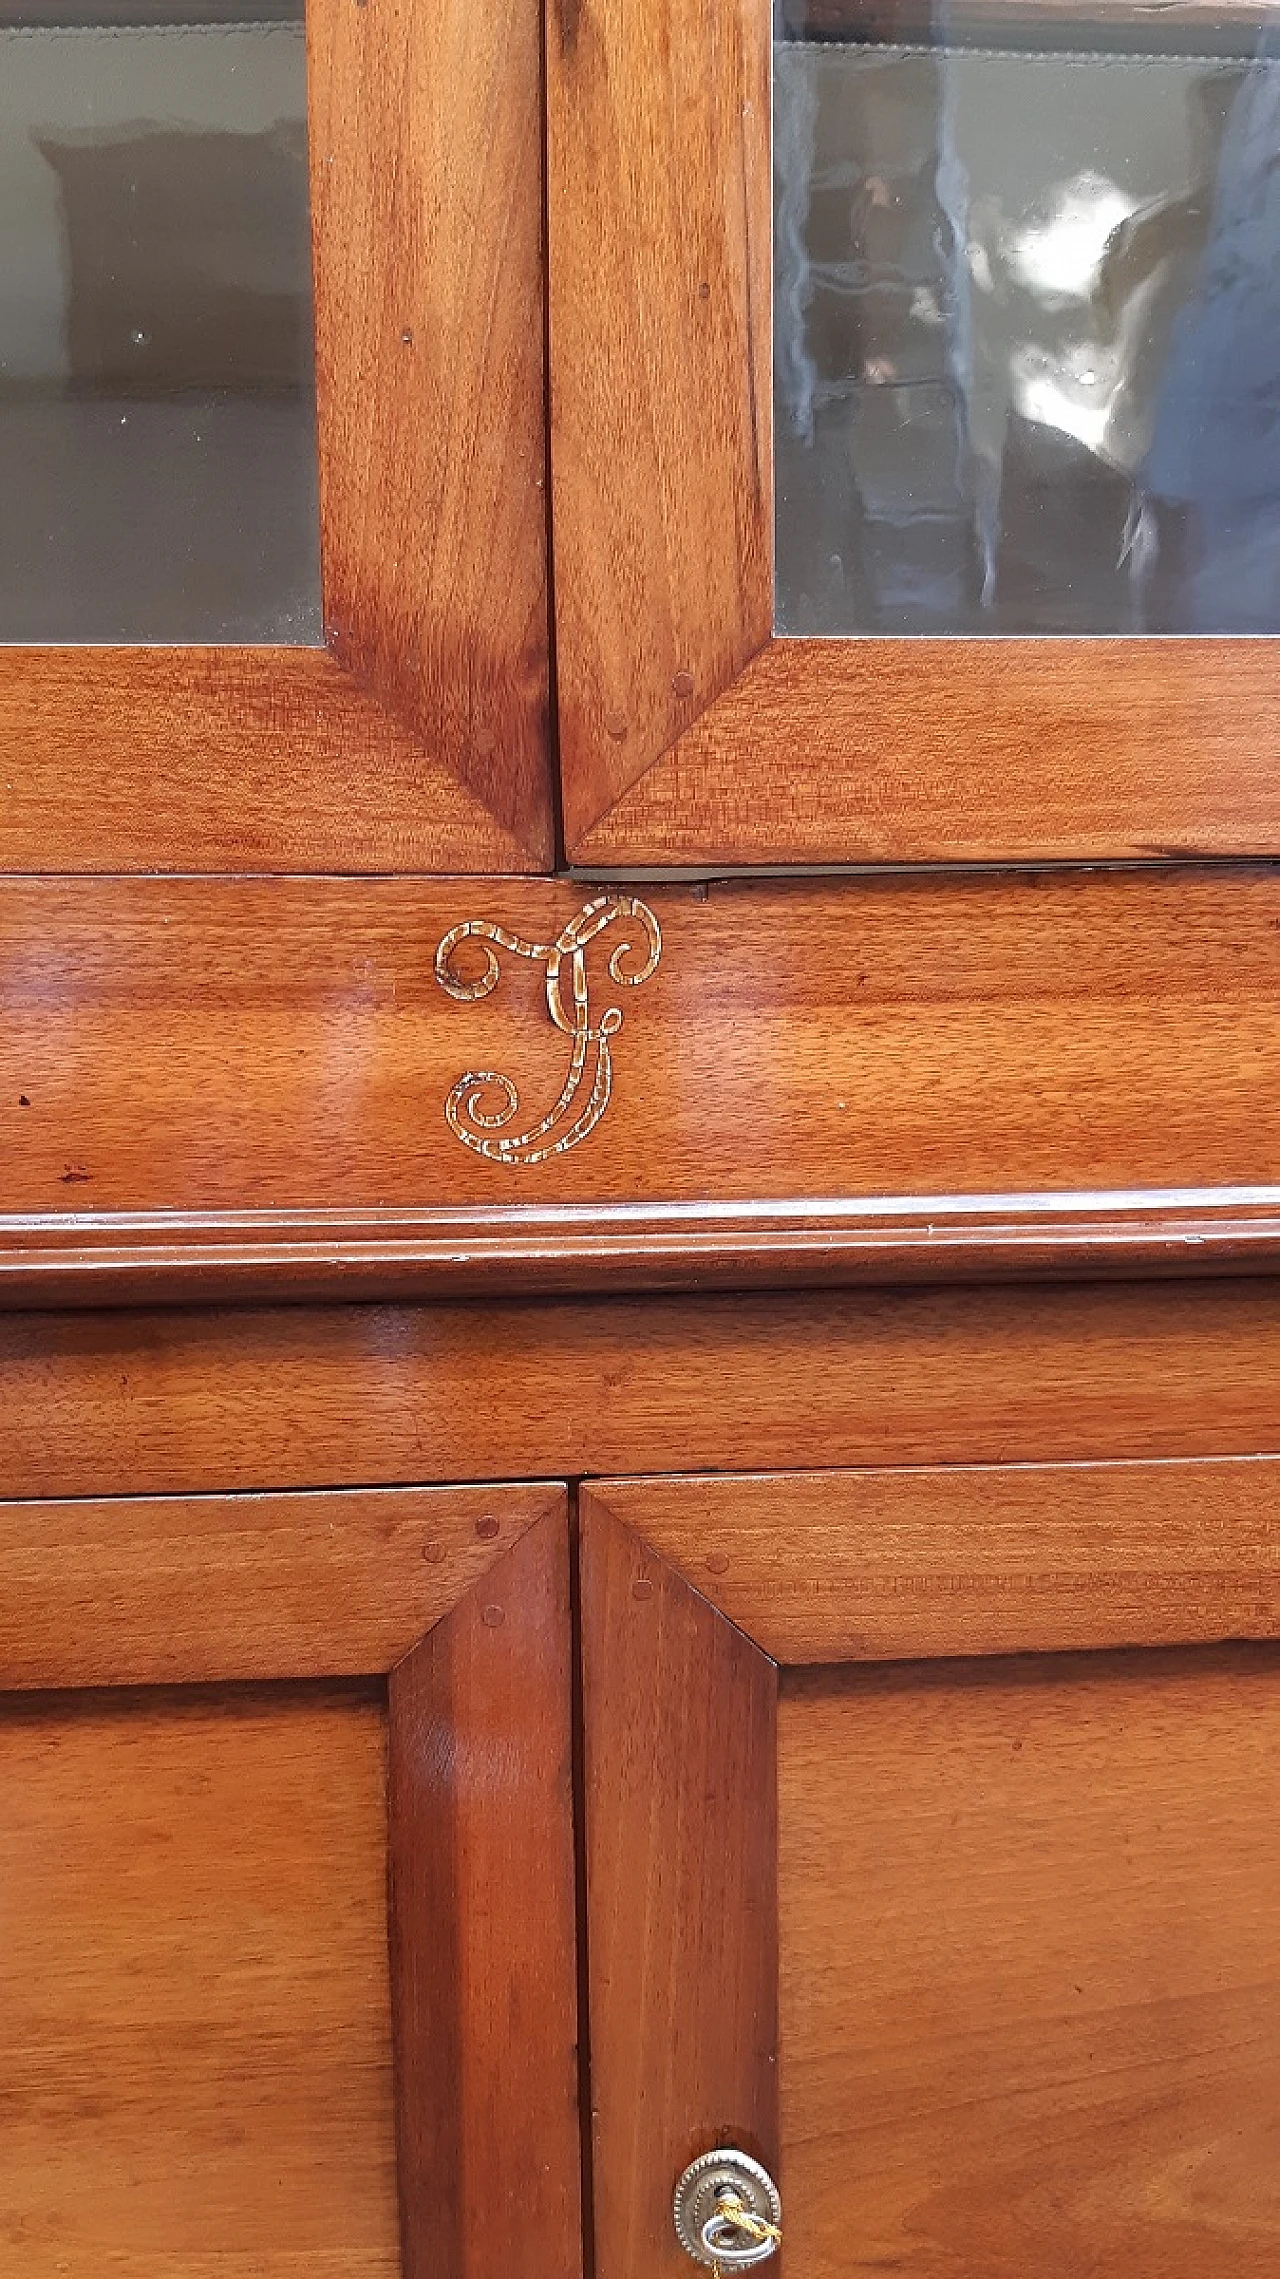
x,y
589,1083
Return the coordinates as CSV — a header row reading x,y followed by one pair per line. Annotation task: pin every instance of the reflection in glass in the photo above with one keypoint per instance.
x,y
1027,328
157,400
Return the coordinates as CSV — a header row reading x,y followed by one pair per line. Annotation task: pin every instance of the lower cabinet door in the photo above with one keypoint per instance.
x,y
287,1892
933,1862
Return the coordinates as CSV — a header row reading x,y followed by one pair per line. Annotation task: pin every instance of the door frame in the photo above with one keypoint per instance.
x,y
415,738
689,732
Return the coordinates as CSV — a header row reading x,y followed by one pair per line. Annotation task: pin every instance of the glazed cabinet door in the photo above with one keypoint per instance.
x,y
913,374
932,1839
272,438
287,1975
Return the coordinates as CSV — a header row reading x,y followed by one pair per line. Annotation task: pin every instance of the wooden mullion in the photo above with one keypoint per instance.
x,y
483,1937
680,1716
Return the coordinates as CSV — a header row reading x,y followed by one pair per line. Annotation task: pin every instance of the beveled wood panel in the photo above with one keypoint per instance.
x,y
1028,1968
195,2027
974,1559
912,751
281,1046
176,1402
660,375
679,1739
426,186
221,760
484,1929
143,1590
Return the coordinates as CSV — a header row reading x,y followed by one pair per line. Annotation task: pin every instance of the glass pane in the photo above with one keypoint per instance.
x,y
157,399
1027,318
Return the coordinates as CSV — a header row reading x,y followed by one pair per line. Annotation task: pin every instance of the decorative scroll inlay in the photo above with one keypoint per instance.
x,y
590,1079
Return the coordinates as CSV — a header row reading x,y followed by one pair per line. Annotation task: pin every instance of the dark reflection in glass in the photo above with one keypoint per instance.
x,y
1027,321
157,399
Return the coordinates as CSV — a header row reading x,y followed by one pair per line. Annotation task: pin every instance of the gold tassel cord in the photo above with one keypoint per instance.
x,y
730,2211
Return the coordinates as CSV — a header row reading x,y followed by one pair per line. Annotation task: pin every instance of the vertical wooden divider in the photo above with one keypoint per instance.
x,y
483,1931
680,1737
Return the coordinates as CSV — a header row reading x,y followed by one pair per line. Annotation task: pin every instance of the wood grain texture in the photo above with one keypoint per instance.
x,y
281,1045
526,1249
661,407
195,2037
874,751
156,1590
974,1559
679,1737
426,174
1028,1970
173,1402
222,760
483,1922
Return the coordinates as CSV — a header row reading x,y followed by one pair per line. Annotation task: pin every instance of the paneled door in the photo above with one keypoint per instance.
x,y
932,1843
914,374
272,437
287,1960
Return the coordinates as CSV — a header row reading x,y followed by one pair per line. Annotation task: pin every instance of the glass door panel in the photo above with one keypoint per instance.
x,y
1027,319
157,399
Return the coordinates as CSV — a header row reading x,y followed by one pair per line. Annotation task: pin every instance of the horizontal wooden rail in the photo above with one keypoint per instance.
x,y
124,1258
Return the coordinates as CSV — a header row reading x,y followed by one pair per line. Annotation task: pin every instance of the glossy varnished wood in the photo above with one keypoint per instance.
x,y
173,1402
221,760
483,1929
974,1559
75,1258
967,751
149,1590
195,2032
283,1047
661,453
679,1736
1028,1968
416,741
426,173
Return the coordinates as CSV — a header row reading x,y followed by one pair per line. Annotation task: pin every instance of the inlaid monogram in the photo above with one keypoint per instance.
x,y
589,1083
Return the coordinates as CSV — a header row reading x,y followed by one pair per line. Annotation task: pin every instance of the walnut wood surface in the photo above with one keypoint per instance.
x,y
1028,1968
679,1735
221,759
660,369
426,184
173,1402
483,1929
966,751
202,1047
526,1249
428,751
149,1590
974,1559
195,2040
